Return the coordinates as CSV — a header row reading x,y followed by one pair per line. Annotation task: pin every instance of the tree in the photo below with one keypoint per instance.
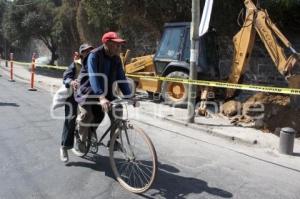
x,y
27,20
285,13
63,24
65,28
139,21
3,46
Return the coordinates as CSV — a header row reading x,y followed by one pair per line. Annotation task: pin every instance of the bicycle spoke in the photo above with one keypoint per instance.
x,y
147,166
122,145
139,149
134,178
129,176
139,179
132,145
122,166
135,169
145,176
137,175
128,142
144,173
122,142
124,161
126,171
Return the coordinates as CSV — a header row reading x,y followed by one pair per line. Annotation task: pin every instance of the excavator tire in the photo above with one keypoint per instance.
x,y
173,92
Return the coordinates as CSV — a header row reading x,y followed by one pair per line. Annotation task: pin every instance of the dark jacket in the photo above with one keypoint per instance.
x,y
71,73
91,86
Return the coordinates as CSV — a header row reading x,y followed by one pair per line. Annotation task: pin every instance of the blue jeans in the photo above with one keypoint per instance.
x,y
67,140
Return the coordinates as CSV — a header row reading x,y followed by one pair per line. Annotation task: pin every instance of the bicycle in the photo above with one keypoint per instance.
x,y
127,148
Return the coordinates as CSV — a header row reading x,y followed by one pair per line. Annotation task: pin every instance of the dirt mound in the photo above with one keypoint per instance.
x,y
231,108
266,98
269,112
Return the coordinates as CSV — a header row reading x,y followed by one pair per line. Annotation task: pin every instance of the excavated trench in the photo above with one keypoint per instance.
x,y
268,112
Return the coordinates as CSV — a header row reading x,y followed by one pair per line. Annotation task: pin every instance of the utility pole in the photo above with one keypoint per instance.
x,y
193,59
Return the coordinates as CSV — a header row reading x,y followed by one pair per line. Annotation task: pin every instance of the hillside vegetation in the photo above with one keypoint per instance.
x,y
62,25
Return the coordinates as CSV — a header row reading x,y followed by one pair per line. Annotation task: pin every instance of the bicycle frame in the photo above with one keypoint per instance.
x,y
116,123
123,151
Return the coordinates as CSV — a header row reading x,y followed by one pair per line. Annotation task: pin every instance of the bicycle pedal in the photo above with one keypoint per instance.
x,y
94,150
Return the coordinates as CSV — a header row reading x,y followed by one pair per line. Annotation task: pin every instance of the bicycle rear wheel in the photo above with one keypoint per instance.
x,y
133,159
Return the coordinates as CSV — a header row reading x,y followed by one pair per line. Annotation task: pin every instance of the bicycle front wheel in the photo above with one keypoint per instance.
x,y
133,159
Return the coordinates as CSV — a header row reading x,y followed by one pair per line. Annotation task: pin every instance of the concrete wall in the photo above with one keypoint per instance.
x,y
260,70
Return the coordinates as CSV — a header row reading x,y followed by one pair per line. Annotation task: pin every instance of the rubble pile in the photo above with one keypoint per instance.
x,y
268,112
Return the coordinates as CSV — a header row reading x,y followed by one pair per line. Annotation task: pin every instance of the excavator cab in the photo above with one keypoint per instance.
x,y
174,50
173,55
172,60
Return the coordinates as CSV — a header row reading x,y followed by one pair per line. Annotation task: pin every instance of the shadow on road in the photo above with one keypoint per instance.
x,y
97,163
168,183
296,154
9,104
49,72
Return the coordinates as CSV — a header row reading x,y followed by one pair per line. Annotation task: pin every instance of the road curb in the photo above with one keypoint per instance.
x,y
38,84
252,140
207,130
15,75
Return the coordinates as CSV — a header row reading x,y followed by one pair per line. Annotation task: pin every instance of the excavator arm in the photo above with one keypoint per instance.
x,y
258,21
268,33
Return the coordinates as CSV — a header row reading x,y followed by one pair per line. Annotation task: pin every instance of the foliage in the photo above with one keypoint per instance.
x,y
64,24
27,19
65,29
2,47
285,13
2,7
137,20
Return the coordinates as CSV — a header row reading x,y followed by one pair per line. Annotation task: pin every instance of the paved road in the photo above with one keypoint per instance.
x,y
188,167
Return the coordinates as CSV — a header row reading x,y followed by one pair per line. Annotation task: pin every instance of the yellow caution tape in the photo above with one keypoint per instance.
x,y
39,65
22,63
291,91
51,67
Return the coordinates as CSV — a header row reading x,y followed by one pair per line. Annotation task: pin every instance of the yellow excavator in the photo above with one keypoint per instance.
x,y
172,57
172,60
258,21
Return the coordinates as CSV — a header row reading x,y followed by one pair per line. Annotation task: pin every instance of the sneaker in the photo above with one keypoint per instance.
x,y
77,152
79,148
64,155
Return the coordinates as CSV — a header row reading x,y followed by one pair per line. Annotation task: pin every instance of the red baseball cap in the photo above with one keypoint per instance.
x,y
112,36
